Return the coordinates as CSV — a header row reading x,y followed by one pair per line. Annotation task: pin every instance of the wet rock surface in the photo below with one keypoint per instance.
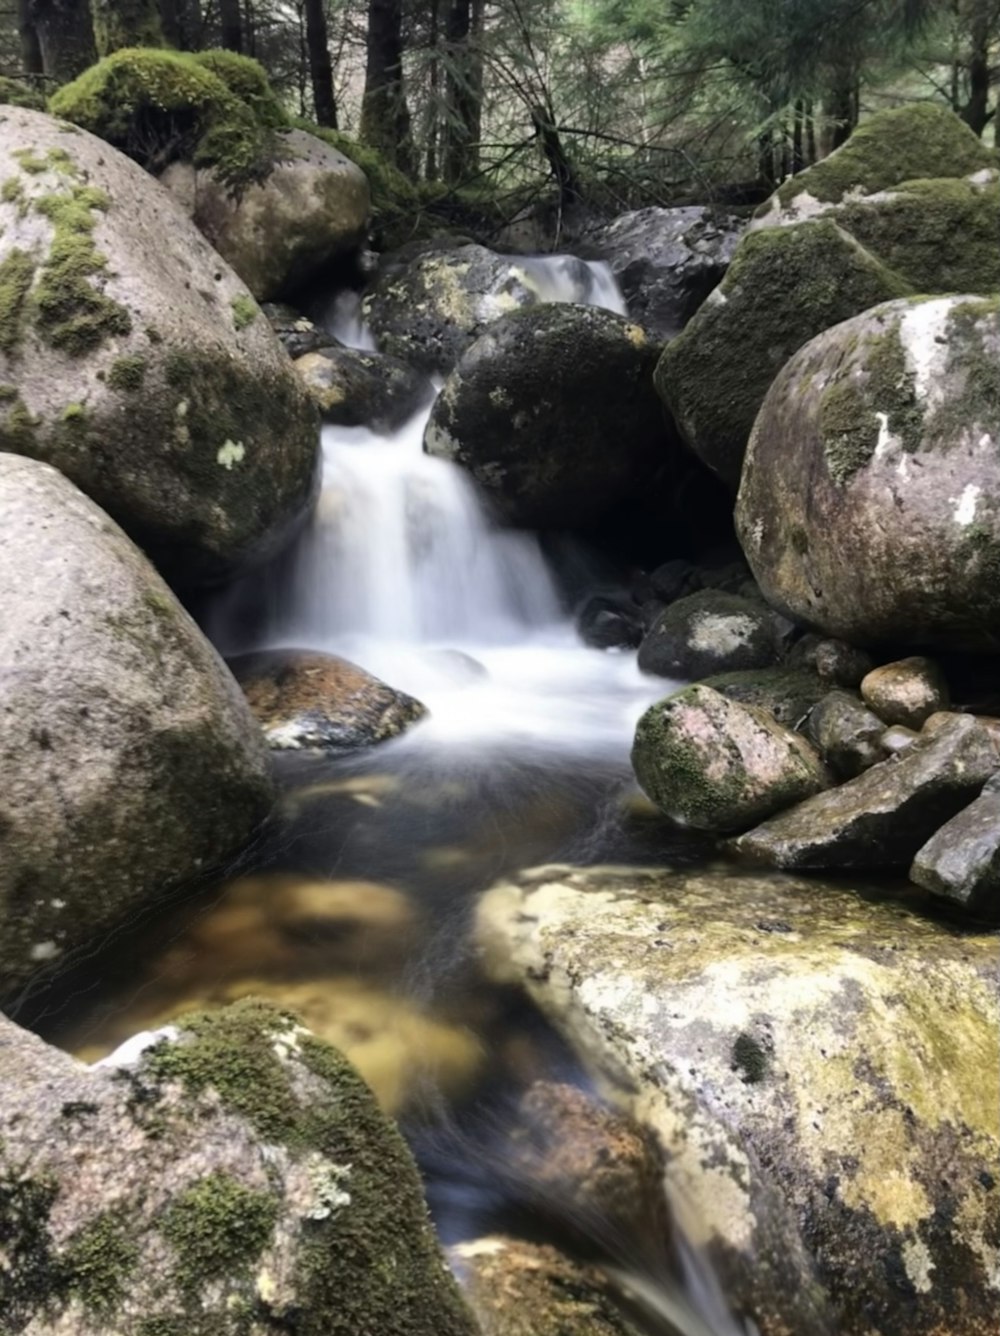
x,y
131,762
841,1183
360,389
304,699
881,818
717,765
846,734
961,861
236,1166
553,413
710,632
907,692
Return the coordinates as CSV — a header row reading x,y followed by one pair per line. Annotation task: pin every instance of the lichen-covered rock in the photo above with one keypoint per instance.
x,y
939,235
821,1067
907,692
431,307
666,261
881,818
846,734
554,414
517,1288
134,360
131,762
867,504
712,763
282,232
352,388
787,693
304,699
961,861
710,632
234,1176
784,286
920,141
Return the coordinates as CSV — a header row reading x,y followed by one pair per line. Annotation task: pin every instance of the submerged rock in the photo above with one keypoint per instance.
x,y
784,286
304,699
961,861
235,1166
553,413
134,360
866,507
130,761
907,692
666,261
516,1288
881,819
710,632
360,389
714,764
830,1141
280,233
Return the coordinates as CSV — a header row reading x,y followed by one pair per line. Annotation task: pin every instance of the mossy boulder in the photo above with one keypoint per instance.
x,y
710,632
554,414
820,1062
131,762
784,286
352,388
868,505
716,765
234,1175
133,359
910,143
788,692
281,233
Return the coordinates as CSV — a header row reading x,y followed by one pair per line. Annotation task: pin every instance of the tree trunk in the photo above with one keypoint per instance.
x,y
385,117
231,19
841,106
320,69
65,37
555,156
766,173
798,137
976,112
810,133
31,51
434,91
120,23
463,96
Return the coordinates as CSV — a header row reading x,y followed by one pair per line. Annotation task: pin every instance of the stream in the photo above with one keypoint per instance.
x,y
353,908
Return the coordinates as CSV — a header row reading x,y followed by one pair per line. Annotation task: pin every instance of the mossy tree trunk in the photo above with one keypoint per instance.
x,y
320,69
385,117
65,35
120,23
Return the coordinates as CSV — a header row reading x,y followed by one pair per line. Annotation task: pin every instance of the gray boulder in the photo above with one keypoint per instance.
x,y
907,692
280,233
710,632
131,762
666,261
305,700
786,693
234,1176
553,413
867,504
134,360
846,734
882,818
820,1065
961,861
352,388
296,333
716,765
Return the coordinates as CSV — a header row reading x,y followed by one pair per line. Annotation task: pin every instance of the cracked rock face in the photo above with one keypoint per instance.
x,y
821,1066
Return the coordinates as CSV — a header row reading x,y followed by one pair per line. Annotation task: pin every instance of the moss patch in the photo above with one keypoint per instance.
x,y
12,190
99,1261
18,426
247,80
871,393
245,310
30,1273
127,373
749,1058
17,272
19,93
972,335
218,1228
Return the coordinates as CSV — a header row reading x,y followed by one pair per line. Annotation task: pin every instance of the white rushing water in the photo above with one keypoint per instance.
x,y
405,572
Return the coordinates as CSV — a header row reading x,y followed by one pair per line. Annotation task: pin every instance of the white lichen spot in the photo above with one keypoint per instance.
x,y
965,510
919,1265
718,633
327,1181
886,440
182,408
267,1287
231,454
58,904
129,1053
922,333
44,951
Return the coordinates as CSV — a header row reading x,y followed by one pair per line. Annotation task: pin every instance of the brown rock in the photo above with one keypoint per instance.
x,y
907,692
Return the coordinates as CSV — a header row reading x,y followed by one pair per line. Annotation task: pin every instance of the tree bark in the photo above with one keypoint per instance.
x,y
320,68
434,91
385,117
231,19
65,37
31,50
976,112
463,95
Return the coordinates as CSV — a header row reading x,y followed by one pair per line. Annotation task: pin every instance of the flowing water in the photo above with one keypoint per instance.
x,y
354,907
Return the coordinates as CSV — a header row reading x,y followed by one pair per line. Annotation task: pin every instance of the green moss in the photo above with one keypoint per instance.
x,y
8,393
31,1275
871,391
72,314
906,143
749,1058
787,693
74,413
19,93
99,1260
218,1228
246,79
785,286
30,162
127,373
125,23
18,427
972,363
396,203
12,190
17,272
159,106
245,310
